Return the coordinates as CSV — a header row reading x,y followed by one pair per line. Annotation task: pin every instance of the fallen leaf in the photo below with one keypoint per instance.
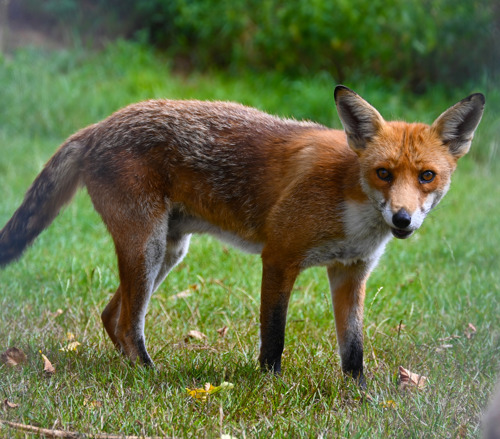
x,y
47,365
186,293
222,331
197,335
10,405
410,379
92,404
181,295
198,394
72,347
13,357
390,404
443,347
470,331
70,336
451,337
201,395
462,431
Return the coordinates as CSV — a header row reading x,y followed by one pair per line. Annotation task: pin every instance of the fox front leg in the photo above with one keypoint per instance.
x,y
347,285
277,285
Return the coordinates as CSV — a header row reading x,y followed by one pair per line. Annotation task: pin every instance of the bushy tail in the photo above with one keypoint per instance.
x,y
52,189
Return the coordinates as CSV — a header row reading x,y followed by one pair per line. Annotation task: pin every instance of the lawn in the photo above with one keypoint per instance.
x,y
421,300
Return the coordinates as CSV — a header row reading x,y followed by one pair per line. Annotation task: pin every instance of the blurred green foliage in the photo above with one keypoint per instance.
x,y
415,42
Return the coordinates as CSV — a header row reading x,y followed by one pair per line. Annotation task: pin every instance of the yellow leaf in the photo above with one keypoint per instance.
x,y
72,347
201,394
388,404
197,394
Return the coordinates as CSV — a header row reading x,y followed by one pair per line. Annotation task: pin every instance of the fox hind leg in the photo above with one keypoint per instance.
x,y
124,316
110,316
140,262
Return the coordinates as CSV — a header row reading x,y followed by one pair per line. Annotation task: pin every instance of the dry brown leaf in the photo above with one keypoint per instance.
x,y
57,313
409,379
10,405
470,331
444,347
181,295
47,365
197,335
13,357
450,337
222,331
186,345
92,404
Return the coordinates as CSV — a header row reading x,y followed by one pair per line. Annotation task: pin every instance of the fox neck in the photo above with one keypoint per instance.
x,y
355,230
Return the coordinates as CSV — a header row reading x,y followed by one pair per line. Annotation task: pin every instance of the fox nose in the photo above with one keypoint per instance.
x,y
401,219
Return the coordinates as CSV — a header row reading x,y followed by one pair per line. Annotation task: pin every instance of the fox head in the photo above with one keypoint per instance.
x,y
406,167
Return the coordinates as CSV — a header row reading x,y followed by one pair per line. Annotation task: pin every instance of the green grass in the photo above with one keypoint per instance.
x,y
436,283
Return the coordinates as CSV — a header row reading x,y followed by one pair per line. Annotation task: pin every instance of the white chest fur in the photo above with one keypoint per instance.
x,y
366,235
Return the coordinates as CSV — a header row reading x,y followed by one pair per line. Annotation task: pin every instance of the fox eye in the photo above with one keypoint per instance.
x,y
384,174
427,176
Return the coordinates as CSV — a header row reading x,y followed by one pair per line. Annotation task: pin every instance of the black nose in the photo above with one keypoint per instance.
x,y
401,219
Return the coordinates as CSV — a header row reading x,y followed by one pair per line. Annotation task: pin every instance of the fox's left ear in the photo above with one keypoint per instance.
x,y
360,120
456,126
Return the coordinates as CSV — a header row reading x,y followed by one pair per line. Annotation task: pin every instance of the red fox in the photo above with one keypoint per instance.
x,y
297,193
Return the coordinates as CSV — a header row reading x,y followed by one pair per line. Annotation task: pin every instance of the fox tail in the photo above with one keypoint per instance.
x,y
52,189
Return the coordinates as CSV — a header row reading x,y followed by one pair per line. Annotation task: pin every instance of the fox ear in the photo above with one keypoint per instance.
x,y
456,126
360,120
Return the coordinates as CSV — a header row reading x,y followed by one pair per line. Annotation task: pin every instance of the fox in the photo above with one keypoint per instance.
x,y
298,193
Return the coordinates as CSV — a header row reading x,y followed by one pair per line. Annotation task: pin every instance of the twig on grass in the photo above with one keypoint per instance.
x,y
68,434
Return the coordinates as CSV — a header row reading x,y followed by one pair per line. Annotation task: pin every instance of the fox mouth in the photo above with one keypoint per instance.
x,y
401,234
